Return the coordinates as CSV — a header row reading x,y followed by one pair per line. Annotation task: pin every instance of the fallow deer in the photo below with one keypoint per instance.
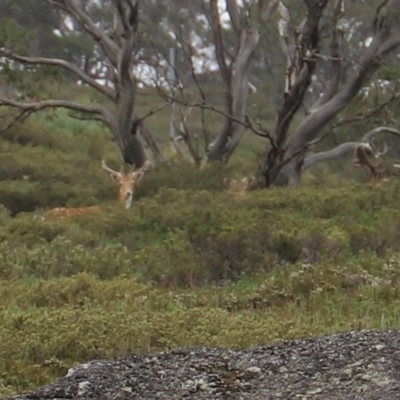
x,y
361,160
239,187
126,181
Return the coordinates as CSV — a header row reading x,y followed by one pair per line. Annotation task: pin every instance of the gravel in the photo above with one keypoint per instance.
x,y
352,365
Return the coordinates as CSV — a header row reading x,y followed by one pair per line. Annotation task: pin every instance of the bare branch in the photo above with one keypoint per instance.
x,y
343,148
260,131
72,7
369,135
152,112
60,63
184,136
26,109
395,95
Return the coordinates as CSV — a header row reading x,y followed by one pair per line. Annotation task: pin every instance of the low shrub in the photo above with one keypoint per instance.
x,y
47,325
194,237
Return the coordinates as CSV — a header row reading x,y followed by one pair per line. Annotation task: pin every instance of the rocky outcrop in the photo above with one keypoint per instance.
x,y
355,365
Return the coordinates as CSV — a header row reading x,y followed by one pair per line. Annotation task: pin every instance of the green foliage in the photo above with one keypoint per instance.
x,y
19,40
183,175
40,158
194,237
13,37
47,325
277,264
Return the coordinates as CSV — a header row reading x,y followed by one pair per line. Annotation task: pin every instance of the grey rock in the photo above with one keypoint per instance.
x,y
353,365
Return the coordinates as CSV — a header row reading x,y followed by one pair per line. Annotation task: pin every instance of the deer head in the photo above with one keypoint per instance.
x,y
126,181
361,160
239,186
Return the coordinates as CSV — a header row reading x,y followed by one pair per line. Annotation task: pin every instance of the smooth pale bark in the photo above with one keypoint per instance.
x,y
235,75
284,164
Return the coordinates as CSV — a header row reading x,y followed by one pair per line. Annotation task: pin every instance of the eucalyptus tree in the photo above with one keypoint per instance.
x,y
116,39
310,59
288,151
331,54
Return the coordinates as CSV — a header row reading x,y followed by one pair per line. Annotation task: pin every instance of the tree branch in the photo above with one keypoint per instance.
x,y
64,64
152,112
313,159
245,122
27,109
362,117
72,7
369,135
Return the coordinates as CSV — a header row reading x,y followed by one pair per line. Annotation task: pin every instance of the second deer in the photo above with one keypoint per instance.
x,y
361,160
239,187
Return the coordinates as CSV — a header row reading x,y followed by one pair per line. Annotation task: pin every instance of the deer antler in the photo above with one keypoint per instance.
x,y
108,169
361,160
379,154
138,174
146,166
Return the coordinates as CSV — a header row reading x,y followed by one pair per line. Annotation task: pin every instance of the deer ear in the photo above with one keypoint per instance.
x,y
137,176
116,177
227,182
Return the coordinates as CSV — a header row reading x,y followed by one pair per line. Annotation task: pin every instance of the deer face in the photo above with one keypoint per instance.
x,y
239,186
127,183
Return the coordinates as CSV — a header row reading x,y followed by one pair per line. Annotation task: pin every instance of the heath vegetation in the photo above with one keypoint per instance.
x,y
188,264
194,261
